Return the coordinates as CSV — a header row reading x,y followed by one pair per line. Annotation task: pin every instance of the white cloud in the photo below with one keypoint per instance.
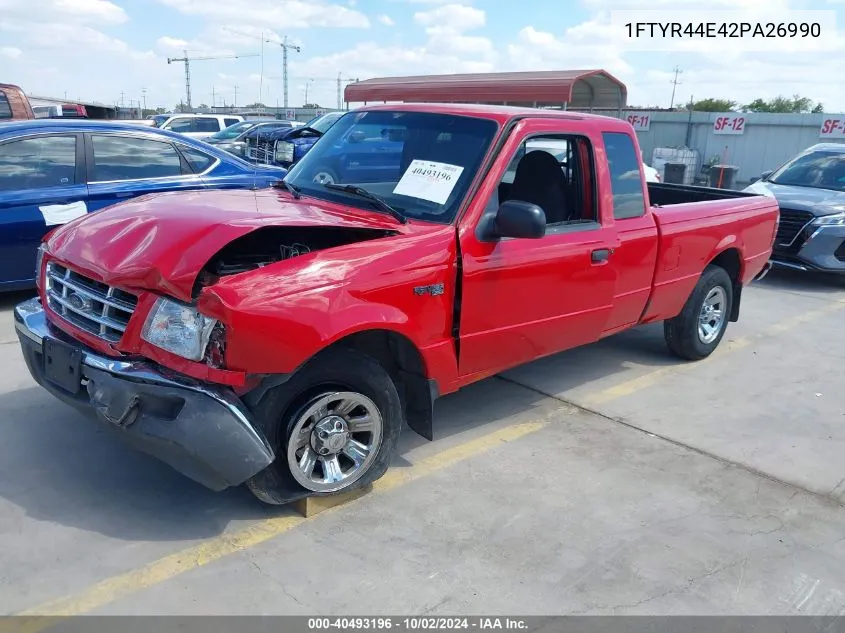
x,y
620,5
285,14
101,10
386,20
98,11
373,60
171,43
450,19
587,45
11,52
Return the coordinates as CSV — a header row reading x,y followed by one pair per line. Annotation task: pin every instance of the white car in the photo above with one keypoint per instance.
x,y
200,125
651,174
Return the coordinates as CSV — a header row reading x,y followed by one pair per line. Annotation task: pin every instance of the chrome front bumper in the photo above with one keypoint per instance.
x,y
817,253
202,431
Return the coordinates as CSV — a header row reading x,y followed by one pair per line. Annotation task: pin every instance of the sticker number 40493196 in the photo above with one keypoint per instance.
x,y
428,180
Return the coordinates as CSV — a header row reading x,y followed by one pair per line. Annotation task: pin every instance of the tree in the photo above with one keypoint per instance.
x,y
257,104
712,105
796,104
204,106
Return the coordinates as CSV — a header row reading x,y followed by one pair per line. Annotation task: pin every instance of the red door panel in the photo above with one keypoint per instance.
x,y
523,299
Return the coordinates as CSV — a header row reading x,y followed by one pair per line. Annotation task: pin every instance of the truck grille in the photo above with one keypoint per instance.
x,y
792,221
88,304
260,151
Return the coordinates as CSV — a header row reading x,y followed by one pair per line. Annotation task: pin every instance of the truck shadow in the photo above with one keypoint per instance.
x,y
62,467
785,279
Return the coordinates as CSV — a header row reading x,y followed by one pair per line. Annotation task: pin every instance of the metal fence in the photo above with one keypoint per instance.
x,y
753,142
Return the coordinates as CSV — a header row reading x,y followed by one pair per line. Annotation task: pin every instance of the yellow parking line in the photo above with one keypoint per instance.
x,y
634,385
107,591
216,548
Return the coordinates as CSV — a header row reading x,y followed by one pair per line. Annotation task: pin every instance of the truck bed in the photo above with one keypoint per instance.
x,y
665,194
691,223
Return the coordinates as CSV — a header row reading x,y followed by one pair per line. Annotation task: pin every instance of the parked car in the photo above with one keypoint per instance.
x,y
285,147
52,171
234,138
810,190
158,119
282,338
199,125
14,105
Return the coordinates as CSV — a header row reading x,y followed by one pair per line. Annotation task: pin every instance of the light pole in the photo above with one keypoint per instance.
x,y
308,82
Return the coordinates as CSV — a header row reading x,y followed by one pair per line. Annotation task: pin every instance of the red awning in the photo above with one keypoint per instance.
x,y
578,89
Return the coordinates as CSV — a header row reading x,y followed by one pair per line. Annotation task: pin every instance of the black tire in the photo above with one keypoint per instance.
x,y
276,413
681,332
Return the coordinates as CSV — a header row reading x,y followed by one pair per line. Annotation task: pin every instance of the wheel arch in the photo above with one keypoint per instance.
x,y
407,367
730,260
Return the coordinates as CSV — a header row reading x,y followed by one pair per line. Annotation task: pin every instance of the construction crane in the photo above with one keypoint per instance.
x,y
285,46
188,61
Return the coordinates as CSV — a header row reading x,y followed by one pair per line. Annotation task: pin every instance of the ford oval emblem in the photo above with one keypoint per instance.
x,y
79,302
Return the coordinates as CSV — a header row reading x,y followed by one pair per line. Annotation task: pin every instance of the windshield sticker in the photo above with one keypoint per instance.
x,y
428,180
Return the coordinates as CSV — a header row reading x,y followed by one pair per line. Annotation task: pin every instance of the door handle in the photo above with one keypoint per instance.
x,y
601,255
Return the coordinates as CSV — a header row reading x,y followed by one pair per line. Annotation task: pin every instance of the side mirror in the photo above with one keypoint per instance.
x,y
766,174
516,218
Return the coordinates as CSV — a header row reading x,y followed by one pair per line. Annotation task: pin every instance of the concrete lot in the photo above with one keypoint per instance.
x,y
671,488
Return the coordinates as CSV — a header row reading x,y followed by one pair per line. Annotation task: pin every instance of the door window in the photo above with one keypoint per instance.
x,y
625,182
206,124
38,162
5,108
181,125
229,122
556,174
128,158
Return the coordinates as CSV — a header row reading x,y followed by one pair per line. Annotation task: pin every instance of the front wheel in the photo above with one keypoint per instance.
x,y
700,326
334,426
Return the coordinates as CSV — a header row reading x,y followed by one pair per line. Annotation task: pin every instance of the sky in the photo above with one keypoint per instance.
x,y
115,51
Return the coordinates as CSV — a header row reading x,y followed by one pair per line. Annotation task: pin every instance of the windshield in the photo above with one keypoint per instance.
x,y
419,163
323,122
820,170
158,119
233,131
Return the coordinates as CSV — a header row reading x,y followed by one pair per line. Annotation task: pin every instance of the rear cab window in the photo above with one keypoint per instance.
x,y
228,122
625,181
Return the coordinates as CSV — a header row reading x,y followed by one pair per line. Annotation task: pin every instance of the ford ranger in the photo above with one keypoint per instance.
x,y
282,338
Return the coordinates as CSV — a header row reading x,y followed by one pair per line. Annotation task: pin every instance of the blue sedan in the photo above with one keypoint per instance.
x,y
52,171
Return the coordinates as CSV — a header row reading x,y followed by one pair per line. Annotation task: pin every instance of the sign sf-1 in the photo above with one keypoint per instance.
x,y
729,124
832,128
639,121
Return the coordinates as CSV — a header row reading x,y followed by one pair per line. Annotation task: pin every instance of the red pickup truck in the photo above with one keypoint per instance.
x,y
283,337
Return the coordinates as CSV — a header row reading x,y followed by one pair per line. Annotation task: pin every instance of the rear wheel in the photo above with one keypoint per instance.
x,y
700,326
334,426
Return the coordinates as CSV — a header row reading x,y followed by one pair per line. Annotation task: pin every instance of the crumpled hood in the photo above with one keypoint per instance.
x,y
161,242
817,201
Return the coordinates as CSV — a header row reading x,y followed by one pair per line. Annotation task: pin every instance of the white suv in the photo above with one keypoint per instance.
x,y
200,125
